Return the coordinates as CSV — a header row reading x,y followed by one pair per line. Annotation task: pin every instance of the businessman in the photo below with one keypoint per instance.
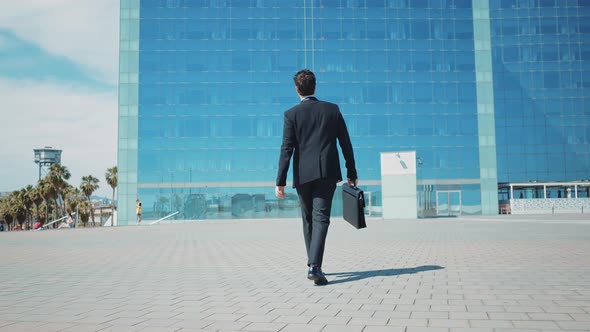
x,y
310,131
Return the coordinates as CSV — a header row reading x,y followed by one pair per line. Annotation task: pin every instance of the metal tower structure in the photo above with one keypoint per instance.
x,y
46,157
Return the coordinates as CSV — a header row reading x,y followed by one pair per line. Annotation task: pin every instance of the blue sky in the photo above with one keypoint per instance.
x,y
58,87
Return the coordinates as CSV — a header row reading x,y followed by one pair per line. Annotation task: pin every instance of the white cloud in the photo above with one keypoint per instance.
x,y
84,31
80,121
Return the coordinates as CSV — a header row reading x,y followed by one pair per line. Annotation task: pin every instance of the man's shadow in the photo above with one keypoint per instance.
x,y
359,275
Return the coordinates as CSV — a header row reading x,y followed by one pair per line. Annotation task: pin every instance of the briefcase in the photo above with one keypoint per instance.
x,y
353,206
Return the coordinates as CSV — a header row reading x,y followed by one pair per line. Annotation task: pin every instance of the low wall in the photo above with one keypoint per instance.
x,y
549,205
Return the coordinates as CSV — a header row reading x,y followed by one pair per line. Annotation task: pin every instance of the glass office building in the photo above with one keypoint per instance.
x,y
486,91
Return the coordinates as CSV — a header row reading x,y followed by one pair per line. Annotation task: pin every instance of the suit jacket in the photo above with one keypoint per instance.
x,y
310,132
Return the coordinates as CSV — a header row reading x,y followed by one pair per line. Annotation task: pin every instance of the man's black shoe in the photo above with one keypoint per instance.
x,y
321,281
315,273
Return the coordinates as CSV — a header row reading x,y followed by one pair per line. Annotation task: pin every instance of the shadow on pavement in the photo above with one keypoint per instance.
x,y
354,276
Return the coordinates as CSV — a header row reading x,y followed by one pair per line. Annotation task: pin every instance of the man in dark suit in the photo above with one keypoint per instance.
x,y
310,131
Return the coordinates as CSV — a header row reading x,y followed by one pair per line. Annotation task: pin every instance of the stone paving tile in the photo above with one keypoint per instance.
x,y
580,317
485,308
383,329
563,310
471,329
391,314
529,324
226,325
508,315
468,315
549,316
303,328
86,328
471,274
299,319
94,320
5,323
341,328
407,322
326,312
22,326
368,321
325,320
265,327
430,314
448,323
426,329
122,328
356,313
158,329
515,330
155,322
258,318
493,323
347,306
573,325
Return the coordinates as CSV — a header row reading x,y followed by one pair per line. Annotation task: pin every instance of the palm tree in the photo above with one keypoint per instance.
x,y
58,176
37,199
27,198
112,179
20,211
74,197
88,186
15,208
4,213
85,209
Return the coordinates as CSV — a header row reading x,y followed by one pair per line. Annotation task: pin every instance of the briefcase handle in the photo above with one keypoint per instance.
x,y
361,197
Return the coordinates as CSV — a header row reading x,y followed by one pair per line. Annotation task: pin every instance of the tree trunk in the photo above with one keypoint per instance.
x,y
38,213
46,211
113,208
63,205
55,212
91,212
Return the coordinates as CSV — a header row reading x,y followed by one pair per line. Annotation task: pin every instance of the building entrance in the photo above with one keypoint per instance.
x,y
448,203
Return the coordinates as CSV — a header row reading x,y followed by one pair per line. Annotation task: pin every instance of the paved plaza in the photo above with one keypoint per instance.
x,y
480,274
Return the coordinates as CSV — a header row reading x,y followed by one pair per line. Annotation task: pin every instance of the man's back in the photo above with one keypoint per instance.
x,y
311,129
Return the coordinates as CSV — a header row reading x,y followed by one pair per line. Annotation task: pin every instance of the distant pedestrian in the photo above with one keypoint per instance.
x,y
138,211
69,223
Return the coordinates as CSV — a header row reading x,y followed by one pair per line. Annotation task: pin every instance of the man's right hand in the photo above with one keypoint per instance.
x,y
280,192
350,182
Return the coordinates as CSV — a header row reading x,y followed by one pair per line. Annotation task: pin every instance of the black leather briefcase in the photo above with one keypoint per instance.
x,y
353,206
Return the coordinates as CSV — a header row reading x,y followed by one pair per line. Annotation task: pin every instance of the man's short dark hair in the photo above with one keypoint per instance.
x,y
305,82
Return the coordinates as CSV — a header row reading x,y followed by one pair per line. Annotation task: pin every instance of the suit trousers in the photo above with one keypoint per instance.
x,y
315,198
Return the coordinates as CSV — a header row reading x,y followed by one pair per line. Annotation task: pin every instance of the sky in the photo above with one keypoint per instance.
x,y
58,87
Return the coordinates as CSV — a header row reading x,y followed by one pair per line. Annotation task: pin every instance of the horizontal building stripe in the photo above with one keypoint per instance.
x,y
270,184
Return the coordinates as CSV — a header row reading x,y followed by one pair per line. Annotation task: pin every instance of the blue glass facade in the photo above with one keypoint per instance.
x,y
541,61
215,76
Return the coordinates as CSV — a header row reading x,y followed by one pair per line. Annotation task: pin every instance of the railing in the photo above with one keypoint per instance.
x,y
549,205
56,220
164,218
